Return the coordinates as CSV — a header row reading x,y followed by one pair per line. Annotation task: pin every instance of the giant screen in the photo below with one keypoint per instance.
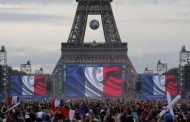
x,y
158,85
84,80
27,85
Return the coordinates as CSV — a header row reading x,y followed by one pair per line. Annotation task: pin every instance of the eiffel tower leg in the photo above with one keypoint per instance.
x,y
109,26
79,24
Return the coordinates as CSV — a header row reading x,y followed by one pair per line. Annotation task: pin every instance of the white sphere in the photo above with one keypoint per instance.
x,y
94,24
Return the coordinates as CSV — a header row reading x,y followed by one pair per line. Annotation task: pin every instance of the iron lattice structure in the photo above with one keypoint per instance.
x,y
75,51
94,7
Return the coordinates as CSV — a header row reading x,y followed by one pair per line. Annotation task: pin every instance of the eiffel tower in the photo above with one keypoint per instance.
x,y
76,51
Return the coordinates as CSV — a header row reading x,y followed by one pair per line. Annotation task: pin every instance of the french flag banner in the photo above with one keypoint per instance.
x,y
27,85
57,103
94,81
156,86
67,113
12,100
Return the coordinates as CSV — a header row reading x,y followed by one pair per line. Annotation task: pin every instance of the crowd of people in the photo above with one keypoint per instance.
x,y
94,110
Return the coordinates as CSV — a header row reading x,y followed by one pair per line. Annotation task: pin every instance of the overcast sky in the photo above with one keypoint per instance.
x,y
154,29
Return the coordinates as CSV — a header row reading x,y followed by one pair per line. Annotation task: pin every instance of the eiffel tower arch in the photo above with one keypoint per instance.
x,y
112,52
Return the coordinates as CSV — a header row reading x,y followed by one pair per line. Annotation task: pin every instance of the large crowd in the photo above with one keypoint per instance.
x,y
94,110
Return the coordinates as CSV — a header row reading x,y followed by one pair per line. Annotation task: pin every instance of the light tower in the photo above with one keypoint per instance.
x,y
39,72
26,67
148,71
184,60
3,71
161,67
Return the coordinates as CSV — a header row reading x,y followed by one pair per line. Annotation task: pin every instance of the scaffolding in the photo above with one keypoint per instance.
x,y
3,72
184,60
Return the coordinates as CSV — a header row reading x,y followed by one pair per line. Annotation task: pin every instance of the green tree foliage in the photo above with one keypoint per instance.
x,y
173,71
14,72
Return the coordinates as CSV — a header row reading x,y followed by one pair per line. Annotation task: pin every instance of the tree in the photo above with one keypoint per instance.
x,y
14,72
173,71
